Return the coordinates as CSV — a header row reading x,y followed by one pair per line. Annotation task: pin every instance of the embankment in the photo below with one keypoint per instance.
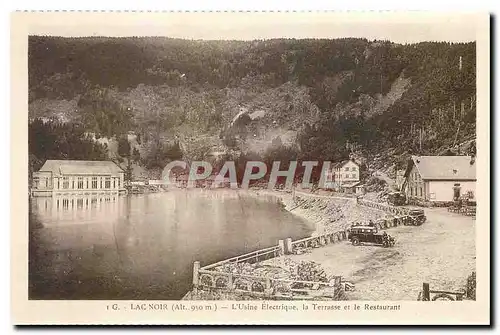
x,y
327,213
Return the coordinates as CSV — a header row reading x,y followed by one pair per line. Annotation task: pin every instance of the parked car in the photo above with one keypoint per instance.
x,y
396,199
417,217
369,234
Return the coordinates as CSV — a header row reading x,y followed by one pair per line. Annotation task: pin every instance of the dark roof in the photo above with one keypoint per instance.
x,y
444,167
80,167
341,164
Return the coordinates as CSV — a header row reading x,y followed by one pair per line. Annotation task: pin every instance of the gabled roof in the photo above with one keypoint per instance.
x,y
444,167
344,162
80,167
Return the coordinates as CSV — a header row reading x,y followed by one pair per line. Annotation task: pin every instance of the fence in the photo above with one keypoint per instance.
x,y
213,277
432,295
264,286
383,207
315,241
465,210
251,257
427,293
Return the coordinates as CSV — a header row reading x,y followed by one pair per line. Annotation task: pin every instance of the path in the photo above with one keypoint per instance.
x,y
382,175
323,196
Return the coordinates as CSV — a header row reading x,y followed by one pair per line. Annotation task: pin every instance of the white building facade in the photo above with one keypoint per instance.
x,y
342,175
58,177
440,178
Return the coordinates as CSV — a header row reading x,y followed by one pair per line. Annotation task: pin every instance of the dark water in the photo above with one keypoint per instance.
x,y
144,246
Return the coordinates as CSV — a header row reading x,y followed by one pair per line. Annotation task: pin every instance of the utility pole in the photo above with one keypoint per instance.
x,y
420,139
456,135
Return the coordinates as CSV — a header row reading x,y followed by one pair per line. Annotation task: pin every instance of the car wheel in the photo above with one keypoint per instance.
x,y
355,241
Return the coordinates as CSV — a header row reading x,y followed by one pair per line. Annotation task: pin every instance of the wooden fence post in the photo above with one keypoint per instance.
x,y
281,244
288,246
268,291
426,293
196,275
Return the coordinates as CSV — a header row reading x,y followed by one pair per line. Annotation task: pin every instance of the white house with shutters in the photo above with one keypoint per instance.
x,y
343,175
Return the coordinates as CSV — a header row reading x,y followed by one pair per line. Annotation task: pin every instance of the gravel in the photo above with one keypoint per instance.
x,y
440,252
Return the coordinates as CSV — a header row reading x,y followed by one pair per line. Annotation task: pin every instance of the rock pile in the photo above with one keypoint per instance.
x,y
311,271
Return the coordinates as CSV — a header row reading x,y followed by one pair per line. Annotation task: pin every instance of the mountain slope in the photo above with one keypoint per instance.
x,y
302,99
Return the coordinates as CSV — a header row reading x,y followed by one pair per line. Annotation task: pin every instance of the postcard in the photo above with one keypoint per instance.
x,y
250,168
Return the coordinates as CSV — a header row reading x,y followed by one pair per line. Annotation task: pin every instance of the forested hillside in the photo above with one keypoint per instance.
x,y
285,98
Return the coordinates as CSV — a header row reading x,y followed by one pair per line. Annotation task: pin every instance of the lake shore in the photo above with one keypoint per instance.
x,y
327,213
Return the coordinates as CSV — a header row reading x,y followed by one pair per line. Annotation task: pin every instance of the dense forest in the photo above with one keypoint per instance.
x,y
273,99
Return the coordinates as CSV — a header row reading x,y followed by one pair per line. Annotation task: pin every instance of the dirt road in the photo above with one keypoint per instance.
x,y
440,252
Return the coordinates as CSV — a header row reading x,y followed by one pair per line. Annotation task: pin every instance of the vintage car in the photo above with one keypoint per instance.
x,y
416,217
369,234
396,199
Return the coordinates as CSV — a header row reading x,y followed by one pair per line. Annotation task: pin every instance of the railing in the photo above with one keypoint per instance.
x,y
316,241
254,256
464,210
383,207
216,277
432,295
266,286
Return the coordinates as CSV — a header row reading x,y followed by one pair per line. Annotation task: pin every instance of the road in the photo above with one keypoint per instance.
x,y
323,196
382,175
440,252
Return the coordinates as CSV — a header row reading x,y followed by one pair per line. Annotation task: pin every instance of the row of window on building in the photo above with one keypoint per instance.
x,y
413,191
87,183
348,176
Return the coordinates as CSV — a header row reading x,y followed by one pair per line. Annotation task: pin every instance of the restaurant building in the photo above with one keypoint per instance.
x,y
440,178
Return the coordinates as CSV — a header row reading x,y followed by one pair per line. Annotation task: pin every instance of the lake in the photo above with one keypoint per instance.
x,y
144,246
